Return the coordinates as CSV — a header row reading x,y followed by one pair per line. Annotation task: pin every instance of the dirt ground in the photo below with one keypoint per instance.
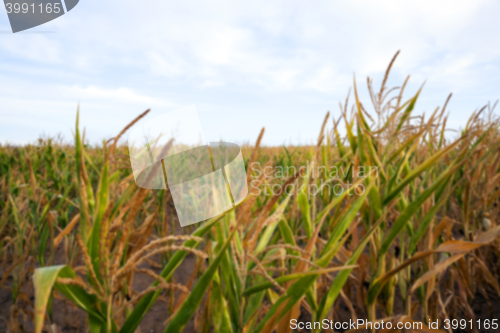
x,y
71,319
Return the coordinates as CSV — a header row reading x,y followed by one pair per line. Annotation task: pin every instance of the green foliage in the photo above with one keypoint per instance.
x,y
416,211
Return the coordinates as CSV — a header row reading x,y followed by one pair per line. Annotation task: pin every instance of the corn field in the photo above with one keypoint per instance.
x,y
395,219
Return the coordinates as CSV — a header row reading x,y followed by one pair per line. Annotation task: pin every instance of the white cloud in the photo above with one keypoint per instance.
x,y
286,56
118,95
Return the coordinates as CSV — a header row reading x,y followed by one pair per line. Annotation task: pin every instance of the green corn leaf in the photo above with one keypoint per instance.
x,y
407,112
418,170
220,313
135,318
305,209
44,280
422,228
189,306
228,273
350,135
298,289
343,224
411,210
286,232
96,230
80,170
291,277
341,278
268,232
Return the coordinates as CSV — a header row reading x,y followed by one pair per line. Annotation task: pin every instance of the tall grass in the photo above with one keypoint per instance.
x,y
418,227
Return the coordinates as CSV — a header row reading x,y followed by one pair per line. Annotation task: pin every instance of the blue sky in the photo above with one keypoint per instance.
x,y
243,64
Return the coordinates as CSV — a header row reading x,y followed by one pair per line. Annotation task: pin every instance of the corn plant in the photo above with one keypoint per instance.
x,y
415,225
